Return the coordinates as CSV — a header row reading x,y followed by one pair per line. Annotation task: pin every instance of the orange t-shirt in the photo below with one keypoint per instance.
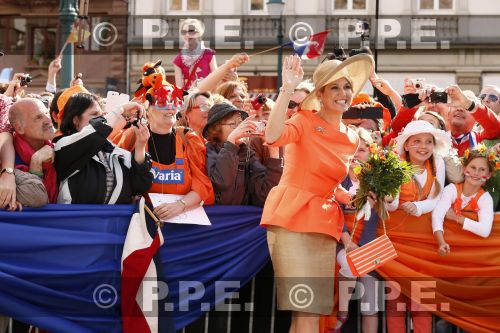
x,y
195,167
316,161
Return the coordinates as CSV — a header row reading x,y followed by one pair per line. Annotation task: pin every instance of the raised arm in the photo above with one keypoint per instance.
x,y
54,67
210,82
7,180
384,87
292,75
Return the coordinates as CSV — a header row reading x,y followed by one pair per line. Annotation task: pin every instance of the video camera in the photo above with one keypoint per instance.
x,y
337,54
362,29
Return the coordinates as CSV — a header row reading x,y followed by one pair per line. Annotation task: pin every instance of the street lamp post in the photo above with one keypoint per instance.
x,y
68,14
280,53
275,9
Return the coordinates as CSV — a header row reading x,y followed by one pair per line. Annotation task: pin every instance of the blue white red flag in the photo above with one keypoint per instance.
x,y
313,47
138,266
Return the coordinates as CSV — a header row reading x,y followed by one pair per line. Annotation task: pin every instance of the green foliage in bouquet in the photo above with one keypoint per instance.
x,y
383,174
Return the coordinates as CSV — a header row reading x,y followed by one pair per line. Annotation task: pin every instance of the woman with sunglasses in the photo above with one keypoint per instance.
x,y
299,94
178,157
194,61
195,114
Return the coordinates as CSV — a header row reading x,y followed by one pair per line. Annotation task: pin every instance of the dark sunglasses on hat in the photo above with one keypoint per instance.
x,y
293,105
491,97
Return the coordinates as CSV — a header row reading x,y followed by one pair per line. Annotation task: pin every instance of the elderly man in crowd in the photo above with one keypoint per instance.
x,y
36,181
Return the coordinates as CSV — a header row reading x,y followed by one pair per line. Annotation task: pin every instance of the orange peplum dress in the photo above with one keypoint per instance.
x,y
317,156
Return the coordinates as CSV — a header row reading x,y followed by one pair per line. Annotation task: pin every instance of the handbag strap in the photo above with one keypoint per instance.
x,y
356,221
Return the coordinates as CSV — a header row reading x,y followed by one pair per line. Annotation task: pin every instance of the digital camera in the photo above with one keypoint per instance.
x,y
418,84
438,97
261,126
25,80
259,101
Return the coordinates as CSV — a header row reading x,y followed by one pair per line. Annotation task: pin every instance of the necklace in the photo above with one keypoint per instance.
x,y
156,153
190,57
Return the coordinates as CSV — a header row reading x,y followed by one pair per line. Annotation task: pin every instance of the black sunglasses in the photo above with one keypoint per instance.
x,y
293,105
190,31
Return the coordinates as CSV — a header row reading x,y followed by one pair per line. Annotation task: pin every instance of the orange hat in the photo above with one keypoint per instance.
x,y
363,97
66,95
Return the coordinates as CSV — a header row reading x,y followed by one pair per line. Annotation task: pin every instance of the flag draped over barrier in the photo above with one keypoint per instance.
x,y
60,265
463,287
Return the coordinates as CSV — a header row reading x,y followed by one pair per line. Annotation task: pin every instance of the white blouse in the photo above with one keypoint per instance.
x,y
485,204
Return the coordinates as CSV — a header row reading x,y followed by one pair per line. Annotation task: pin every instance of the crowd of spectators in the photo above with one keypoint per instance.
x,y
61,146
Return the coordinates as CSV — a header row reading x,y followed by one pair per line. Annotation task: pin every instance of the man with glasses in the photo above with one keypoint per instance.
x,y
489,97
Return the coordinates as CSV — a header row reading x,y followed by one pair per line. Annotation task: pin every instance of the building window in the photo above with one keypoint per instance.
x,y
12,35
43,45
436,4
184,5
349,4
257,4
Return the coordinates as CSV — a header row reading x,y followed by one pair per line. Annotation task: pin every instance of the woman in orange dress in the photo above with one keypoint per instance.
x,y
302,231
178,158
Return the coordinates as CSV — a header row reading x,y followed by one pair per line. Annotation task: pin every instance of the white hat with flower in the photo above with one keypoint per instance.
x,y
442,139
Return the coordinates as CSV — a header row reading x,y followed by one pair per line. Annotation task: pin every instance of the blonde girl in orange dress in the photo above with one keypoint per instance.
x,y
302,235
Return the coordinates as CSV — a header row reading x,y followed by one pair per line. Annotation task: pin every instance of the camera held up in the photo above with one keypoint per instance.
x,y
25,80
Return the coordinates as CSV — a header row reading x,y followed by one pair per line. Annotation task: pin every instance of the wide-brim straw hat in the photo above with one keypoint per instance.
x,y
442,139
356,69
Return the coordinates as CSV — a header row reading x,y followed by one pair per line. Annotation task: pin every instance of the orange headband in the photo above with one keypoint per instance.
x,y
66,95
